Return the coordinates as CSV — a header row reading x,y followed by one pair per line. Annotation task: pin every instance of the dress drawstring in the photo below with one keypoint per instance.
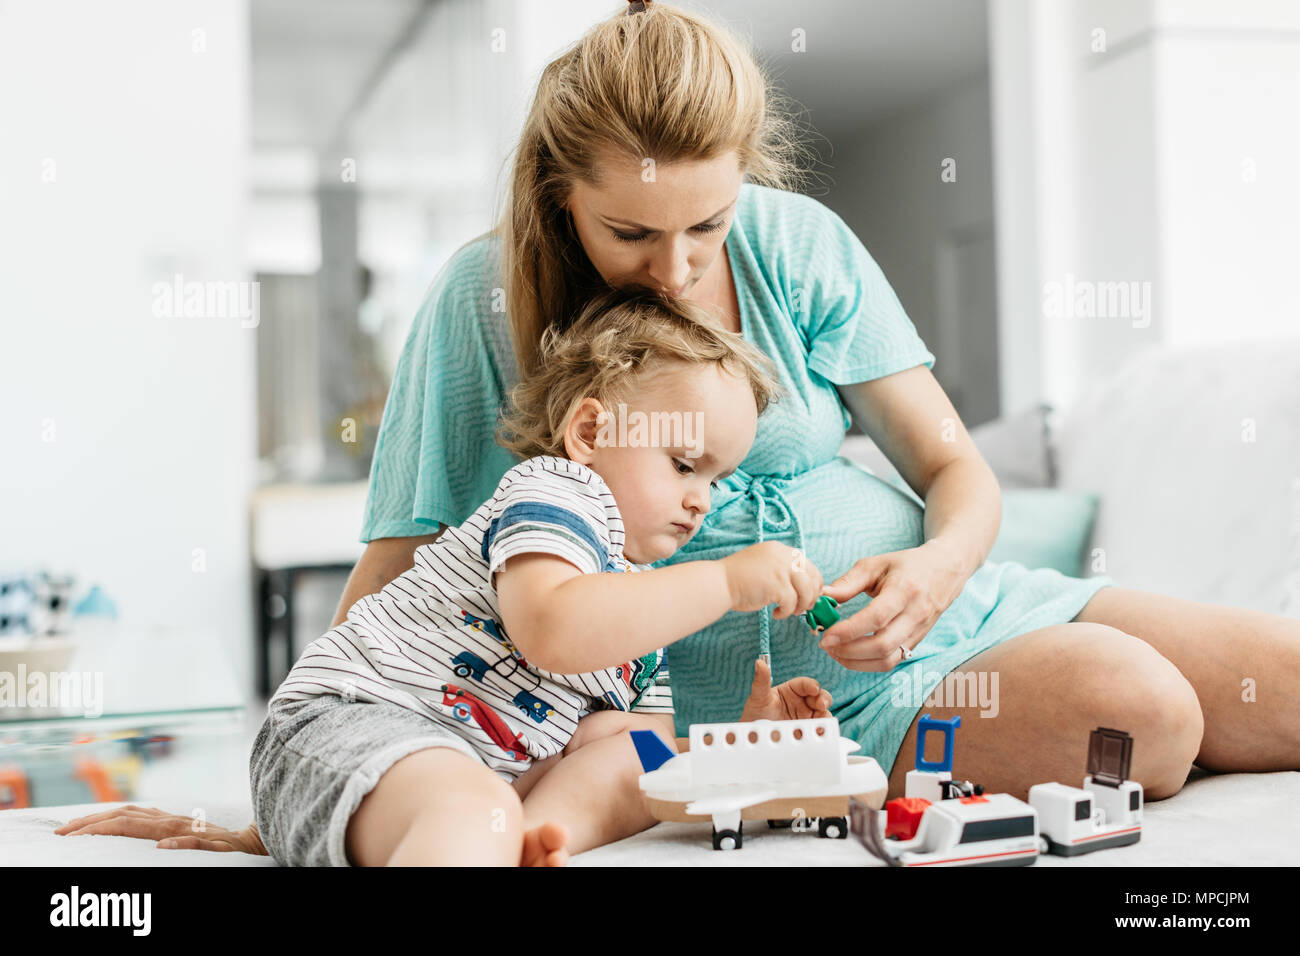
x,y
760,488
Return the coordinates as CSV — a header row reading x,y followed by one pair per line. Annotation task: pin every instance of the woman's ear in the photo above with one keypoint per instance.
x,y
589,428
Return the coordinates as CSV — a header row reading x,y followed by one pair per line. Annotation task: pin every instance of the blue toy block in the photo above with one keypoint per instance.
x,y
949,730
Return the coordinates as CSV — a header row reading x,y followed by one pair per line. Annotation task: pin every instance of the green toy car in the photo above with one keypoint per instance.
x,y
822,614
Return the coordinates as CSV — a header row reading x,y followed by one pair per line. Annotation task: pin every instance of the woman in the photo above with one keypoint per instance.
x,y
652,156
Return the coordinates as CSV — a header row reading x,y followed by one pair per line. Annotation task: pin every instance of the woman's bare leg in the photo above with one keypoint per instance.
x,y
438,807
1055,685
1244,666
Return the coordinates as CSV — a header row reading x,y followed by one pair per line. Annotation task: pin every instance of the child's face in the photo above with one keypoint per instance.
x,y
685,427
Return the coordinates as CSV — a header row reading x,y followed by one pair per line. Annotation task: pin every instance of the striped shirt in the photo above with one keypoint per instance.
x,y
432,640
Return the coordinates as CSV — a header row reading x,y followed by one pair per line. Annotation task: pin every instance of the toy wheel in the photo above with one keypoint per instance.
x,y
460,711
833,828
728,839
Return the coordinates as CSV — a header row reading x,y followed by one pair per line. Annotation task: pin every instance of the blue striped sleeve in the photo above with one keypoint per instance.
x,y
549,514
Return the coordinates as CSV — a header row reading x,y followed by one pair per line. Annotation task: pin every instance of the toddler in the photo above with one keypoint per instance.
x,y
518,638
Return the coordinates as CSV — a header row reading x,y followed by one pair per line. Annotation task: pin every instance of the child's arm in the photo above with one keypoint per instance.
x,y
568,622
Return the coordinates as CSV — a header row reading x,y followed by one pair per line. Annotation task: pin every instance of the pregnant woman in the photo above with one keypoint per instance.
x,y
653,156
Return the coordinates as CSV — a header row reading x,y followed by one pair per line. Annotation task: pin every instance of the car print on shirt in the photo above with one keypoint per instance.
x,y
488,626
468,664
467,708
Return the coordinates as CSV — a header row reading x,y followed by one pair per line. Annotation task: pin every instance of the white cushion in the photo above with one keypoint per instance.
x,y
1190,505
1015,446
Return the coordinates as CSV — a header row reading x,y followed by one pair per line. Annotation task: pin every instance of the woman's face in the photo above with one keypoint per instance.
x,y
657,227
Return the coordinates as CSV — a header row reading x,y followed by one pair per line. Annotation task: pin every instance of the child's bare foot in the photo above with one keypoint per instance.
x,y
545,845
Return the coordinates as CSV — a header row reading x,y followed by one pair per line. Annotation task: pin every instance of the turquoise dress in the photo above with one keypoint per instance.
x,y
811,298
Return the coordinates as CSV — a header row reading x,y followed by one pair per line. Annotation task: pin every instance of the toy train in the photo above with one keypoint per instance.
x,y
943,823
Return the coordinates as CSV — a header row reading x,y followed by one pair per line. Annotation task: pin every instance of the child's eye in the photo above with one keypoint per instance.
x,y
682,467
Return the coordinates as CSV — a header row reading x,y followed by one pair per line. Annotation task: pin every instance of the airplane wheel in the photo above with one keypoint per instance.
x,y
833,828
728,839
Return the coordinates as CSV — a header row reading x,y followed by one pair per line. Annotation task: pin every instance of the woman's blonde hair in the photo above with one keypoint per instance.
x,y
620,335
663,83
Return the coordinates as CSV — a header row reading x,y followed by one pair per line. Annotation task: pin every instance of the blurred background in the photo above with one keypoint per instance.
x,y
218,219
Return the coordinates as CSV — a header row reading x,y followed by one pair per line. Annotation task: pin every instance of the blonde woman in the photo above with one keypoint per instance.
x,y
653,156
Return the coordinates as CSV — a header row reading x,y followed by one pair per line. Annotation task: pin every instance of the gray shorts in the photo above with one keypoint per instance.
x,y
314,760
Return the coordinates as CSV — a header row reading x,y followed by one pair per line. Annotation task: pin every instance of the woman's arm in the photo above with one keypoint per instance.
x,y
908,415
382,561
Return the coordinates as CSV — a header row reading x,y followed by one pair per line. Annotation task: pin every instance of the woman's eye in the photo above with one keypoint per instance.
x,y
708,227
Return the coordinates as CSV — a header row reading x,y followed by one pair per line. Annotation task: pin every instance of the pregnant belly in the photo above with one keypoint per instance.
x,y
836,512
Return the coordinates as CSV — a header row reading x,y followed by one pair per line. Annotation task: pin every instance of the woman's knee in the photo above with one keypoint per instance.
x,y
1130,686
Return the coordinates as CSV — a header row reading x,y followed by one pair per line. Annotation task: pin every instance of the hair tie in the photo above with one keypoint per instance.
x,y
635,6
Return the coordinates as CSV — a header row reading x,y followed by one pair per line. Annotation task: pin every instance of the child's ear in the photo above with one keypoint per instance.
x,y
586,431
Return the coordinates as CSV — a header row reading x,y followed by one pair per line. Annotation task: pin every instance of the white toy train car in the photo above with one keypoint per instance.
x,y
1106,812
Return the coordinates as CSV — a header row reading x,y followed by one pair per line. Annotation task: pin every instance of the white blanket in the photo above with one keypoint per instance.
x,y
1227,820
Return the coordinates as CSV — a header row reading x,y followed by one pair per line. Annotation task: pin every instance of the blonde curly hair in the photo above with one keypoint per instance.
x,y
620,335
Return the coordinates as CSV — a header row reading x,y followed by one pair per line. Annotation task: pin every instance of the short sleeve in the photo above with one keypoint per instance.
x,y
436,458
855,327
548,512
656,696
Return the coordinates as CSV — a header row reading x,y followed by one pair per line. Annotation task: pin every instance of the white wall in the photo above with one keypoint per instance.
x,y
918,226
1155,151
129,437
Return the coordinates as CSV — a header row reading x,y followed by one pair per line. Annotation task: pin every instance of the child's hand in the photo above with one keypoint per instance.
x,y
797,698
772,573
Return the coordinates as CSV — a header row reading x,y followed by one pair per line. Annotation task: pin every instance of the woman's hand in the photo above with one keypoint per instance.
x,y
909,590
798,697
171,831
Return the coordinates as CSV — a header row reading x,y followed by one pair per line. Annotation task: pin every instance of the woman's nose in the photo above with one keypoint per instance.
x,y
670,268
